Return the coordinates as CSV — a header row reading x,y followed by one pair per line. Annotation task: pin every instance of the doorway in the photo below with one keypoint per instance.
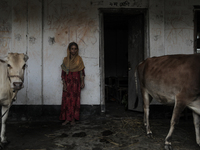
x,y
123,44
197,29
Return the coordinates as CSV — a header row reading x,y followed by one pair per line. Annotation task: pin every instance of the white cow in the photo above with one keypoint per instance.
x,y
11,81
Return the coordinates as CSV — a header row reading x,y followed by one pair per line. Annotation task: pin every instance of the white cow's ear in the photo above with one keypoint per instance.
x,y
4,59
25,57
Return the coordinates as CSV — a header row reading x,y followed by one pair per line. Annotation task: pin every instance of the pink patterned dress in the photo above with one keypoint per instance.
x,y
70,108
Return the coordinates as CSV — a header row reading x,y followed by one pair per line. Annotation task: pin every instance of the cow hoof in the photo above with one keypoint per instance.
x,y
168,147
150,135
3,144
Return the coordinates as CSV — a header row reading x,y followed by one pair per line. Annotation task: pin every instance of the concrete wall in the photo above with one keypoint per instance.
x,y
43,29
171,26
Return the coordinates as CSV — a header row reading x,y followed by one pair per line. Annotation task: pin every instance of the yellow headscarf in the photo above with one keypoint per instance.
x,y
74,64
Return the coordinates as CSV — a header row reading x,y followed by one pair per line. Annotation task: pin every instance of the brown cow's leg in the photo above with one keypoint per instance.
x,y
197,125
146,100
178,108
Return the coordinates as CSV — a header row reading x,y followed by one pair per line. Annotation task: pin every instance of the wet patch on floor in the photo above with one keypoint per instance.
x,y
106,133
80,134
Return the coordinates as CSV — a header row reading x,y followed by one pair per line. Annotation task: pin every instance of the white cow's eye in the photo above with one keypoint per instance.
x,y
24,66
9,65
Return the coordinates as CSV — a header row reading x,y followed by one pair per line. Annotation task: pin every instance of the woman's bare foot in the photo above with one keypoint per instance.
x,y
66,122
73,122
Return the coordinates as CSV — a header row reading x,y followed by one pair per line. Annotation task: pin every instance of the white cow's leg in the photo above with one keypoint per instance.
x,y
178,108
146,112
197,125
3,124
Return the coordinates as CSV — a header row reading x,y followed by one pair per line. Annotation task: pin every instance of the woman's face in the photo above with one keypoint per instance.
x,y
73,50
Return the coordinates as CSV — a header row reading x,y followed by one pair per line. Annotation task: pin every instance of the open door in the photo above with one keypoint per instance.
x,y
135,56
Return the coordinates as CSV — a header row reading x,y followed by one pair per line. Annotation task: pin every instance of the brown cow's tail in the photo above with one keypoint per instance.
x,y
136,89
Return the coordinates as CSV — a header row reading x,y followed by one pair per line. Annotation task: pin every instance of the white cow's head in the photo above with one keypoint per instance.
x,y
16,64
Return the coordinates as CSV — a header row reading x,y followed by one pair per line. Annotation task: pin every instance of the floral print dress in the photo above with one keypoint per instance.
x,y
70,108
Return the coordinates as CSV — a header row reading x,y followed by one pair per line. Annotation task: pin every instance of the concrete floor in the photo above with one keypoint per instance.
x,y
116,130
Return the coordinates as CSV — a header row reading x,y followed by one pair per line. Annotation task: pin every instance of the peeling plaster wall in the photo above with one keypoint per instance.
x,y
171,26
179,27
5,26
43,29
18,36
156,27
65,22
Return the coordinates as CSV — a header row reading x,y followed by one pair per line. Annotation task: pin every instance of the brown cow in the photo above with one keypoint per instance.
x,y
171,79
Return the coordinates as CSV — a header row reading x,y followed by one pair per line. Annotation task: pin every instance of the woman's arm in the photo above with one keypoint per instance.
x,y
82,78
63,75
63,80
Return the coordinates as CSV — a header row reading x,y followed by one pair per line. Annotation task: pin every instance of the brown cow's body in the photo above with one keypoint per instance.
x,y
172,79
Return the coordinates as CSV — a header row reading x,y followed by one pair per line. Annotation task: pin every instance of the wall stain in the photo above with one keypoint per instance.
x,y
51,40
189,42
5,45
73,25
32,39
5,8
18,37
5,27
156,37
3,4
20,12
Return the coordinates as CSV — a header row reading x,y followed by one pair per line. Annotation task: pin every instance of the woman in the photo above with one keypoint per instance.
x,y
73,81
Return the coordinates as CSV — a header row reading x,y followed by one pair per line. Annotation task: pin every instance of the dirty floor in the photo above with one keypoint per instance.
x,y
116,130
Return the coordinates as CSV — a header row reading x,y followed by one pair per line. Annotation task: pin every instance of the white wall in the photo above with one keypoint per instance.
x,y
171,26
43,31
67,22
179,27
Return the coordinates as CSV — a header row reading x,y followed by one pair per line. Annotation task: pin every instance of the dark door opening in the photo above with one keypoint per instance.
x,y
123,50
116,58
197,31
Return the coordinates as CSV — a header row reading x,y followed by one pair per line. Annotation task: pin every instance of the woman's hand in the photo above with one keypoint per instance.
x,y
64,86
82,85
